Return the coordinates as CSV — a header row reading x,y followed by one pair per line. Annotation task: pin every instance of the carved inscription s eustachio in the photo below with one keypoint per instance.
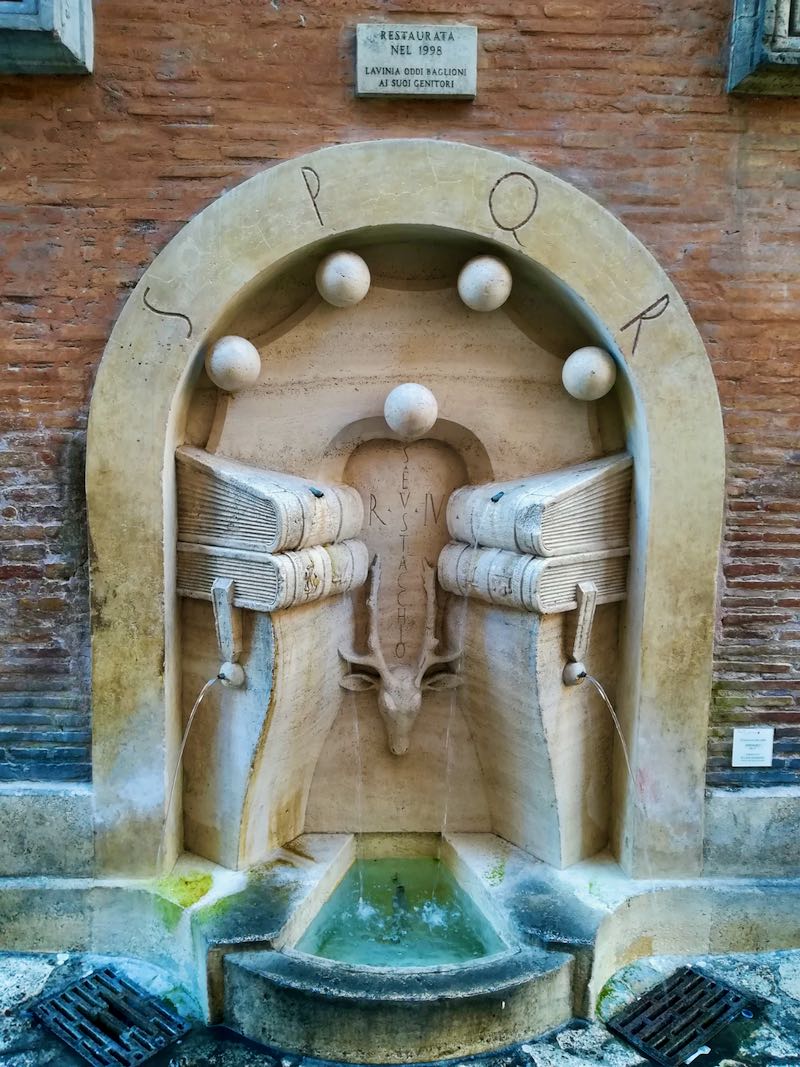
x,y
405,489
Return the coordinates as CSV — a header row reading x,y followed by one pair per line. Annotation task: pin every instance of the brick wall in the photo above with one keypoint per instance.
x,y
624,100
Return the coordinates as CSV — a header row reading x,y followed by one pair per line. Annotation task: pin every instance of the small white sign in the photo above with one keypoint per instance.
x,y
415,59
752,746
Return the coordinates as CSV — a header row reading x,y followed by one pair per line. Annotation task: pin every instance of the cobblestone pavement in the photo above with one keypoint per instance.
x,y
773,1040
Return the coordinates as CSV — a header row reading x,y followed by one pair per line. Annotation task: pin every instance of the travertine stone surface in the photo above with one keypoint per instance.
x,y
487,372
753,832
405,490
545,749
666,392
571,510
439,782
46,830
252,752
531,583
690,920
390,1018
273,582
232,505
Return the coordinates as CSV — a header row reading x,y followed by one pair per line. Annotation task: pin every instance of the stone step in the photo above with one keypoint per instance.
x,y
318,1007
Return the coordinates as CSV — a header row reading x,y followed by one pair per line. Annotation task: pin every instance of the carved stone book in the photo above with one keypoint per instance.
x,y
264,582
531,583
229,504
584,508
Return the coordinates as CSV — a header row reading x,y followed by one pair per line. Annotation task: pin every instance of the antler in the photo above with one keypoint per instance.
x,y
374,656
428,657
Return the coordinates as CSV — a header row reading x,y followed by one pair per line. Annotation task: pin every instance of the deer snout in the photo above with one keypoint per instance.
x,y
398,745
399,709
398,732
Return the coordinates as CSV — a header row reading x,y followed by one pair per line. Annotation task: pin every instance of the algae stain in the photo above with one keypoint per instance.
x,y
220,907
299,851
168,912
606,996
495,875
184,889
613,997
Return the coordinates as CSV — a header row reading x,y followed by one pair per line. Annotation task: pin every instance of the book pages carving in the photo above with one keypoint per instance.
x,y
229,504
531,583
584,508
547,544
282,539
264,582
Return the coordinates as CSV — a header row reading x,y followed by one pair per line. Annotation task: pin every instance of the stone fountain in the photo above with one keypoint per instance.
x,y
388,469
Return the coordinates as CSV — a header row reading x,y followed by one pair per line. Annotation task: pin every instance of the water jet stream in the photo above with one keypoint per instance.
x,y
359,788
201,696
618,728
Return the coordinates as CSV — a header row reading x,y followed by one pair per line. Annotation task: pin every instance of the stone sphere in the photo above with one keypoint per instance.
x,y
484,283
589,373
343,279
411,410
233,363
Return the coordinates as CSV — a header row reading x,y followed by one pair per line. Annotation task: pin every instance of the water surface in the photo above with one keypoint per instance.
x,y
400,913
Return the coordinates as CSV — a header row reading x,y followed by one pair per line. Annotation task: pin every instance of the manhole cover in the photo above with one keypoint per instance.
x,y
109,1020
678,1016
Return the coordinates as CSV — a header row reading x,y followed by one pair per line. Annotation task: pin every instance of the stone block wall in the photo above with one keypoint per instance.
x,y
625,101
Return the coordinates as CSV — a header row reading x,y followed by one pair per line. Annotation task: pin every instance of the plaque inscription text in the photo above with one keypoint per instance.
x,y
412,59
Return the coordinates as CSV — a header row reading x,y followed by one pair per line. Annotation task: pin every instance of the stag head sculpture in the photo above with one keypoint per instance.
x,y
400,687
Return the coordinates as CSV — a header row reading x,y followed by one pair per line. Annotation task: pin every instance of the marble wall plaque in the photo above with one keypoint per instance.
x,y
752,746
416,59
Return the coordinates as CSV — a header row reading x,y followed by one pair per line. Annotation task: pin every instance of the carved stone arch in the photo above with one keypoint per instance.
x,y
673,427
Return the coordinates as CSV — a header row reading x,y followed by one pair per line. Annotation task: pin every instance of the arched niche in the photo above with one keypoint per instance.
x,y
402,189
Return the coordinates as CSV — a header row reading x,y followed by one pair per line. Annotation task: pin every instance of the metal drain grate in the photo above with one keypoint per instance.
x,y
110,1021
678,1017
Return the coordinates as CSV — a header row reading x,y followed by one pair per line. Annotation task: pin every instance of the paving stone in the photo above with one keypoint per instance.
x,y
789,976
775,1042
597,1045
22,977
547,1056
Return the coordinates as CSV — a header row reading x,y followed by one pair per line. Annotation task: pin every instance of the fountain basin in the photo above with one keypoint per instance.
x,y
339,1011
405,961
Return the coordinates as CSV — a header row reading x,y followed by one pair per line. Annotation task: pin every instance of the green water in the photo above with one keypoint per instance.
x,y
400,913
